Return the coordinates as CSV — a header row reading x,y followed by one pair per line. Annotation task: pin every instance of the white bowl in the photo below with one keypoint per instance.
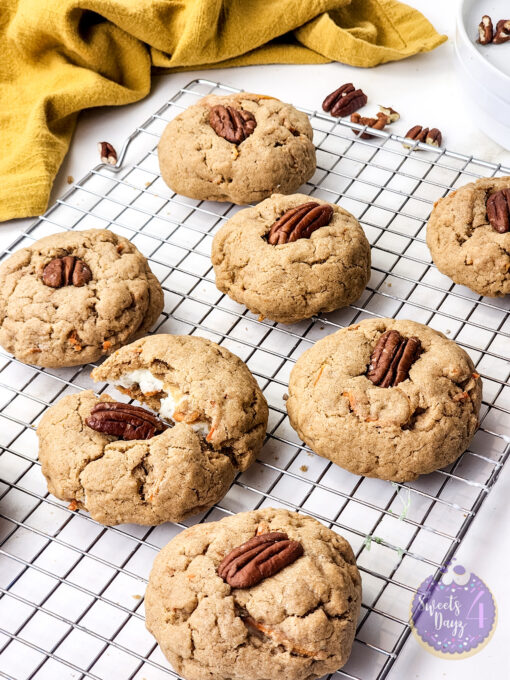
x,y
484,70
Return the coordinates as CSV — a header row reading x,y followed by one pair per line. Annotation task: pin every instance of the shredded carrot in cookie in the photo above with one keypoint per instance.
x,y
35,349
73,505
106,345
278,637
461,396
319,375
261,317
263,528
73,340
181,417
120,248
210,434
475,375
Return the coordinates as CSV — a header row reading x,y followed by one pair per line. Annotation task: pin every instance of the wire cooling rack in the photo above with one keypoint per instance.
x,y
72,590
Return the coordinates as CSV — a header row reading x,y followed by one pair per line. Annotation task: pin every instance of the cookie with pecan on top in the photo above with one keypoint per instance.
x,y
124,463
73,297
297,622
291,257
468,234
386,398
239,148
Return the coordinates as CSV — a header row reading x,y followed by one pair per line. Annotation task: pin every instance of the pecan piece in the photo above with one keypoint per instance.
x,y
485,30
66,271
107,153
392,359
421,134
390,113
502,34
299,222
124,421
234,125
498,210
260,557
378,123
344,101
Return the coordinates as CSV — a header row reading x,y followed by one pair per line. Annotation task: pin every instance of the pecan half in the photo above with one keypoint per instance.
x,y
421,134
107,153
260,557
124,421
502,34
498,210
485,30
392,359
66,271
378,123
344,101
234,125
299,222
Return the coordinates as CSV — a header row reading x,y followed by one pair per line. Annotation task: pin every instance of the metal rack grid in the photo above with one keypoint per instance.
x,y
71,603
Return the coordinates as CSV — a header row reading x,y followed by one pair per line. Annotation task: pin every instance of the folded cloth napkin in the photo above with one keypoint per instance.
x,y
61,56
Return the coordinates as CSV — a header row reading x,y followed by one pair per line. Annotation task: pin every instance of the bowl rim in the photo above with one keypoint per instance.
x,y
462,29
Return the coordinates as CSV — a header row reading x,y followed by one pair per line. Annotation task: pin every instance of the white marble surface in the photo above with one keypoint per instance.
x,y
425,91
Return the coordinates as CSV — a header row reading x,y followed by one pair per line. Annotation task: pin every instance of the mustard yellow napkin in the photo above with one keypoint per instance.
x,y
61,56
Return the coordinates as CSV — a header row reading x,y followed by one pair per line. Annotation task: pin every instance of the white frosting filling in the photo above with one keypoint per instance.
x,y
170,404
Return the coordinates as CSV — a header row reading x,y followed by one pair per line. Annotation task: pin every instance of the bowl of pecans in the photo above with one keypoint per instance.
x,y
482,48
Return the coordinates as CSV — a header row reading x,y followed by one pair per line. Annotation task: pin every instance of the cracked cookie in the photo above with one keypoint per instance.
x,y
297,623
124,464
468,234
75,296
240,148
386,398
291,257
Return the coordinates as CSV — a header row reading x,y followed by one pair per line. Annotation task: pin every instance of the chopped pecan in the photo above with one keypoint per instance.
x,y
378,123
260,557
420,134
502,34
300,222
124,421
344,101
65,271
107,153
234,125
498,210
485,30
390,113
392,359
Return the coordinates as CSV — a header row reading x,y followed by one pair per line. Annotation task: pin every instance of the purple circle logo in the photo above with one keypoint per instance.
x,y
453,615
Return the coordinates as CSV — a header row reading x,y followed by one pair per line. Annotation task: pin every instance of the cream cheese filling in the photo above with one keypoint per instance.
x,y
174,404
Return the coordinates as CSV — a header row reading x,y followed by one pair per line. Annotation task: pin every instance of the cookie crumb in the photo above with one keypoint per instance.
x,y
389,284
304,468
136,597
70,179
147,184
285,396
261,317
